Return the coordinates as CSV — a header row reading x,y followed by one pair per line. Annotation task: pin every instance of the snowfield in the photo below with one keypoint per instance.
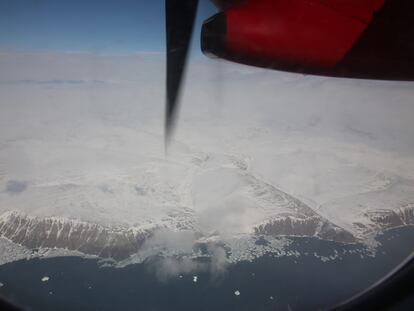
x,y
83,168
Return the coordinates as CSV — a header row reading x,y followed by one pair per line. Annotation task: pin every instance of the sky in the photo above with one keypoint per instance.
x,y
99,26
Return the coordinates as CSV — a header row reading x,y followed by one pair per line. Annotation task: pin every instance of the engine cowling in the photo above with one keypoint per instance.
x,y
351,38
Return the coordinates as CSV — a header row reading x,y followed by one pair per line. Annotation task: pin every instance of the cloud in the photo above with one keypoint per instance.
x,y
52,82
176,255
166,268
78,68
180,241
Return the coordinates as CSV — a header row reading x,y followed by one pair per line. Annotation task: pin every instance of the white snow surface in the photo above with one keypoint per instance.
x,y
94,151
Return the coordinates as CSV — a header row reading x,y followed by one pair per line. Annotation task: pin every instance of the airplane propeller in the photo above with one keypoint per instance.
x,y
180,18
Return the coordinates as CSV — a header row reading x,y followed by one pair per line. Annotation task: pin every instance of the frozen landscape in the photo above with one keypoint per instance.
x,y
257,156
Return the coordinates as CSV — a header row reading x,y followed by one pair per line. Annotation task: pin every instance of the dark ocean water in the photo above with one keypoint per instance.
x,y
268,283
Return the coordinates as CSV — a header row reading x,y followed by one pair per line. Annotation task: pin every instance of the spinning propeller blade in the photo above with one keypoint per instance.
x,y
180,17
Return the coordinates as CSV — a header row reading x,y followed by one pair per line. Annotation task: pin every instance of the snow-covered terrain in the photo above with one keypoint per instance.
x,y
256,154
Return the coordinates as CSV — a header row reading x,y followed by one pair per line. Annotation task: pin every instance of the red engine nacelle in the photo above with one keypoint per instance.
x,y
312,36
